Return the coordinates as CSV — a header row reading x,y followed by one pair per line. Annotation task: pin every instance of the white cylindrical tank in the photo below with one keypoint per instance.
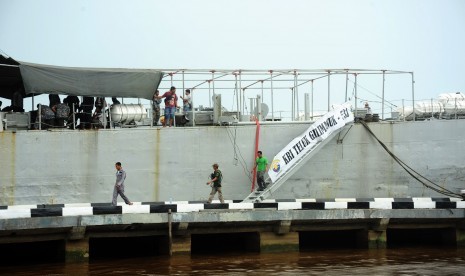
x,y
453,107
422,109
127,113
454,103
450,97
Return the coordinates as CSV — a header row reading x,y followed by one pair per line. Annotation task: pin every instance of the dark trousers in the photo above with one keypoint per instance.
x,y
261,179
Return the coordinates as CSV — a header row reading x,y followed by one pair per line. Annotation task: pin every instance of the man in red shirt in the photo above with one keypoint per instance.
x,y
171,102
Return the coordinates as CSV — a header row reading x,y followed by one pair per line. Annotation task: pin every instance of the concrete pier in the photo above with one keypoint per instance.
x,y
145,229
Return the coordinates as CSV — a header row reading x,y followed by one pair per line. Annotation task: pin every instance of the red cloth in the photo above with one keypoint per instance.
x,y
171,99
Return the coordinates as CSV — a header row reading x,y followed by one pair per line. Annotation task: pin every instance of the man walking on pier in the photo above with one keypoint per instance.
x,y
216,179
262,167
119,185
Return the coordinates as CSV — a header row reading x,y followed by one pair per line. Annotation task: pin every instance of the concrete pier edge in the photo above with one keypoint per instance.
x,y
277,224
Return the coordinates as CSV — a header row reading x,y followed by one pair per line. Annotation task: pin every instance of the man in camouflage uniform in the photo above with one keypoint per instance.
x,y
216,179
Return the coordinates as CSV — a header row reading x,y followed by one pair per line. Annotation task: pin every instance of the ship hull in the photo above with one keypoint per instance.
x,y
49,167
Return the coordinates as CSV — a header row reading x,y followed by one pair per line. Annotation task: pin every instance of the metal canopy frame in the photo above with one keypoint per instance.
x,y
241,81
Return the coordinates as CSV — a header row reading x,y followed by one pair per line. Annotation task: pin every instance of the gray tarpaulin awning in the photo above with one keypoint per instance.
x,y
101,82
10,77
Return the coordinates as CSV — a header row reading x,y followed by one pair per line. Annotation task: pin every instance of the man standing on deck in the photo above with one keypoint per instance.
x,y
156,101
368,108
216,179
261,163
119,185
187,102
171,102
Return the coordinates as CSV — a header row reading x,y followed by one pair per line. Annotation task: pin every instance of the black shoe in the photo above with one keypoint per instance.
x,y
260,189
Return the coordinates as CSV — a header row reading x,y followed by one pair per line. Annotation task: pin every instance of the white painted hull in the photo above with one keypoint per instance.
x,y
174,163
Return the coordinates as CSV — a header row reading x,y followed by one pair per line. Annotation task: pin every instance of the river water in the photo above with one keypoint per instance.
x,y
404,261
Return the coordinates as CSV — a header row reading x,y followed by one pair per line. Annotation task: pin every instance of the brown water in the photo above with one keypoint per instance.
x,y
406,261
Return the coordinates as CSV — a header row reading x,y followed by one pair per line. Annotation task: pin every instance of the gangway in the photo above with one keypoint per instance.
x,y
292,157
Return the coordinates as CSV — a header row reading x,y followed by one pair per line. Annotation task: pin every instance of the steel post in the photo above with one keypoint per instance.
x,y
356,96
272,104
382,96
329,89
413,95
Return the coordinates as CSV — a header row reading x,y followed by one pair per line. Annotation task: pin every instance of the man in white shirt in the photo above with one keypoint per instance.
x,y
187,101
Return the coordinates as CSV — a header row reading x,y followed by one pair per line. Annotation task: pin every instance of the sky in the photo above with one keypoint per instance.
x,y
420,36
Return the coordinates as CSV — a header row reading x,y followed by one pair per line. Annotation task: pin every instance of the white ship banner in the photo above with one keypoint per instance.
x,y
310,139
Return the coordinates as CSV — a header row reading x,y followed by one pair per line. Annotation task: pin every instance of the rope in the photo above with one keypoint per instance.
x,y
236,149
416,175
370,92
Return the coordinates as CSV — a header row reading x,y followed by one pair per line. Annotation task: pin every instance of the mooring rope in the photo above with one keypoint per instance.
x,y
420,178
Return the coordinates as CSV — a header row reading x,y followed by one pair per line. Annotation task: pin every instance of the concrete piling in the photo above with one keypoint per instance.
x,y
77,250
181,245
376,239
460,237
272,242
